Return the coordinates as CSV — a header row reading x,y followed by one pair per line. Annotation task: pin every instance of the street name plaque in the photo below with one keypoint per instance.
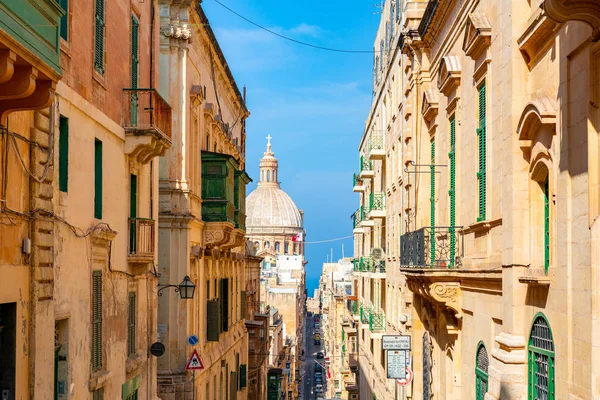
x,y
395,342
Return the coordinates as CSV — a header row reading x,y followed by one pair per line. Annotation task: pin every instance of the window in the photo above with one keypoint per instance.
x,y
98,179
540,361
224,305
132,396
277,247
257,245
131,329
96,321
392,19
268,176
481,181
135,27
452,191
286,247
481,372
208,289
432,203
267,245
99,37
64,20
63,154
98,394
546,192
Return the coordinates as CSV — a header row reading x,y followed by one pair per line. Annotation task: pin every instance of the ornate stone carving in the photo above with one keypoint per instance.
x,y
478,33
587,11
430,104
176,32
449,74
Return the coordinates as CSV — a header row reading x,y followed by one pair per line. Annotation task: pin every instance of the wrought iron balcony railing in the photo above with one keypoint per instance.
x,y
141,239
376,141
432,247
365,311
377,266
359,216
376,321
377,201
146,112
365,164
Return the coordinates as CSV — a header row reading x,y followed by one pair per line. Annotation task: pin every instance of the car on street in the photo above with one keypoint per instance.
x,y
317,342
317,325
320,355
318,379
309,313
319,389
318,368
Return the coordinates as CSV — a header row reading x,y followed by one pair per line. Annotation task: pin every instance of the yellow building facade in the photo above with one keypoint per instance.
x,y
201,213
492,210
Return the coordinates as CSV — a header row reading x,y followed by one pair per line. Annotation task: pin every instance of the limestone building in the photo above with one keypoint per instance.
x,y
489,170
78,206
275,226
201,212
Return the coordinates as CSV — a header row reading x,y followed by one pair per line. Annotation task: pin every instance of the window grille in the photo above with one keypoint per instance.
x,y
540,363
481,372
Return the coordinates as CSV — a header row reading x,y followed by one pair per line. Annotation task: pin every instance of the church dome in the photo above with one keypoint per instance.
x,y
268,207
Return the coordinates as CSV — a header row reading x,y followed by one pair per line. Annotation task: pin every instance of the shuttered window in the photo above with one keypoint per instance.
x,y
213,318
546,225
99,37
98,179
96,320
63,154
244,304
98,394
481,173
243,376
131,324
64,20
452,191
233,382
135,28
481,372
224,297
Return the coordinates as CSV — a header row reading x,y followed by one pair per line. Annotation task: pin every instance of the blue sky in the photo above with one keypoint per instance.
x,y
313,102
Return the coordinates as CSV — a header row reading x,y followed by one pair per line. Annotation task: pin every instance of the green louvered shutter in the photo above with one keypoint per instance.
x,y
432,205
98,179
131,324
243,376
96,320
224,297
452,191
63,154
546,226
99,37
213,319
481,174
135,60
64,20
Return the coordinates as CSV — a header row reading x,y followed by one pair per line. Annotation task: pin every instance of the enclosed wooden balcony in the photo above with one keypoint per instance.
x,y
147,124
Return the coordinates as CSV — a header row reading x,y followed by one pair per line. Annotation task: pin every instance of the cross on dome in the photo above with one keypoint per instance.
x,y
269,143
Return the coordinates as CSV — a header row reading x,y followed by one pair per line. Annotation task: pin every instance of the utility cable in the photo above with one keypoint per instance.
x,y
292,39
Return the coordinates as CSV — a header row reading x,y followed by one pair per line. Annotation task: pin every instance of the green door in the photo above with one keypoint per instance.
x,y
132,214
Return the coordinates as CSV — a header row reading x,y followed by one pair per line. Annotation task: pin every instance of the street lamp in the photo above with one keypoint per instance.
x,y
186,288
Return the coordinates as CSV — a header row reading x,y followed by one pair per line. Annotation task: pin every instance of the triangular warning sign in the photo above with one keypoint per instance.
x,y
194,362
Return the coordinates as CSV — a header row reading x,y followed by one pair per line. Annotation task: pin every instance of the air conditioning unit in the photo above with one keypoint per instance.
x,y
378,253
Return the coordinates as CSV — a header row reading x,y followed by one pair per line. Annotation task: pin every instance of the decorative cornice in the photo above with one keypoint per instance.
x,y
429,104
176,32
449,75
478,33
587,11
540,111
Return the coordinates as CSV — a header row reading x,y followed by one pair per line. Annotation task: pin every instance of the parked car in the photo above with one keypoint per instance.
x,y
319,379
317,342
320,355
316,325
309,313
318,368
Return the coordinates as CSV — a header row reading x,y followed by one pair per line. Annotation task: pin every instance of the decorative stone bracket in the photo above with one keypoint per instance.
x,y
587,11
448,294
222,235
176,32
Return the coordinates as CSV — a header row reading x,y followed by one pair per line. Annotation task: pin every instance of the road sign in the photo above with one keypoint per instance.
x,y
193,340
395,342
194,363
396,364
408,379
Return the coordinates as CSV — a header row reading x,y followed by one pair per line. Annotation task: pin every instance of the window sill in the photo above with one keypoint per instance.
x,y
536,277
98,379
99,78
482,226
133,363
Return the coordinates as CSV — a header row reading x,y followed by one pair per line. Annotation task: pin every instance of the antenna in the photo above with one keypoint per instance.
x,y
379,7
342,251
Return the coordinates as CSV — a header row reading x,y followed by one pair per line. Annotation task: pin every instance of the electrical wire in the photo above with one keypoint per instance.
x,y
292,39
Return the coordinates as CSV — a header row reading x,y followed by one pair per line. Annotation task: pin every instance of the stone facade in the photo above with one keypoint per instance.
x,y
493,139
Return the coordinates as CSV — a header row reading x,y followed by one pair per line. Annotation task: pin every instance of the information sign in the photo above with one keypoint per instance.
x,y
408,379
396,364
395,342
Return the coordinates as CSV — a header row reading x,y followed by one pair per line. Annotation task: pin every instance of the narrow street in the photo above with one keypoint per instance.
x,y
310,354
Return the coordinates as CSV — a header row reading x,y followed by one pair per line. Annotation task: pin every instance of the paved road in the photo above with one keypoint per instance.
x,y
310,354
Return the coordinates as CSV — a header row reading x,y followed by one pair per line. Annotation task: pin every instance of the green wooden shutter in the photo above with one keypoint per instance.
x,y
432,205
481,174
452,191
225,304
98,394
63,154
64,20
99,37
243,376
135,27
96,320
98,179
213,320
244,304
131,324
546,225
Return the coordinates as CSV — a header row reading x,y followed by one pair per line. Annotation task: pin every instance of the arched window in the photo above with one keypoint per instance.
x,y
427,366
481,372
295,248
277,247
540,360
267,245
286,247
257,244
268,176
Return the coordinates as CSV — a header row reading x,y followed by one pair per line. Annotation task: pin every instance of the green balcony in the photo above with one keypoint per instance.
x,y
366,167
377,205
377,266
359,216
376,321
376,146
357,185
365,311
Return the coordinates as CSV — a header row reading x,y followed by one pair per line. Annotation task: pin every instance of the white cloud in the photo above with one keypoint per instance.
x,y
306,30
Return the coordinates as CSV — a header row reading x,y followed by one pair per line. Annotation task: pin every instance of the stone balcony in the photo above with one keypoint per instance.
x,y
147,124
141,250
